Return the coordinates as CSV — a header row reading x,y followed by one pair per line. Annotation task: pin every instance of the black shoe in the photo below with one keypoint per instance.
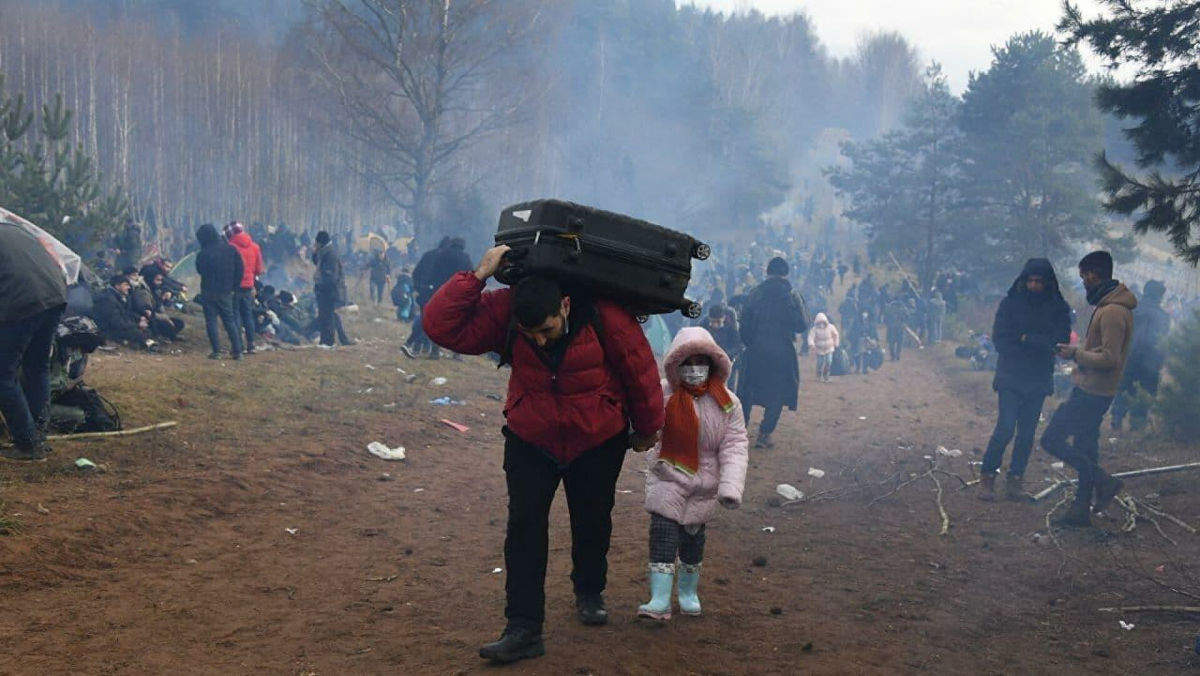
x,y
250,350
23,453
237,356
408,352
516,643
591,609
1077,516
215,355
1106,489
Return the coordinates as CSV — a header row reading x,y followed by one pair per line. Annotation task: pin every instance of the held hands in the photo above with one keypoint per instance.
x,y
490,262
1066,351
641,444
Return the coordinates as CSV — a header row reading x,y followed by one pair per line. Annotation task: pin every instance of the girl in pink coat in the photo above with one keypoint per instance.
x,y
700,461
823,338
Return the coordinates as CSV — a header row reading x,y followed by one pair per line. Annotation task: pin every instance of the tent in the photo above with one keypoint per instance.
x,y
370,242
185,273
68,260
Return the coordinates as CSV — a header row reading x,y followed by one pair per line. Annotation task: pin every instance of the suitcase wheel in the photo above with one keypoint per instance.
x,y
701,251
692,310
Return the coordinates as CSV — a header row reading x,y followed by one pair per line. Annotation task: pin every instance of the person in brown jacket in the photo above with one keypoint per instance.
x,y
1100,362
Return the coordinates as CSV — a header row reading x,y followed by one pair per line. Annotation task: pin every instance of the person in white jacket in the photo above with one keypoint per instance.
x,y
824,340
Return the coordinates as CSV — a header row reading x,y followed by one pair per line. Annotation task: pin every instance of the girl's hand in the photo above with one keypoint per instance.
x,y
728,502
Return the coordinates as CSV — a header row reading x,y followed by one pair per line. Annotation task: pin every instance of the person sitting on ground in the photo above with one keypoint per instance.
x,y
1030,321
700,461
290,315
145,303
116,318
824,340
582,372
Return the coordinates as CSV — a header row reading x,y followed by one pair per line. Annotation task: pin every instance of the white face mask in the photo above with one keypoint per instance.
x,y
693,375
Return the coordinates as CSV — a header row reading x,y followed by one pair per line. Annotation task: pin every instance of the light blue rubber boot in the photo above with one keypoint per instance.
x,y
689,580
662,578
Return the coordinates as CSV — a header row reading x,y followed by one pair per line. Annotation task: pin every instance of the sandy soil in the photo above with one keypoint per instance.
x,y
176,559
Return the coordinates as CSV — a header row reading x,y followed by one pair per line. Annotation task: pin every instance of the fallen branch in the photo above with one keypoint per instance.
x,y
1168,517
1053,537
107,435
897,488
1122,475
1152,609
941,509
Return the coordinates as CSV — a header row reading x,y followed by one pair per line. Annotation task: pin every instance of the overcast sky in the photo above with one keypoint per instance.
x,y
958,33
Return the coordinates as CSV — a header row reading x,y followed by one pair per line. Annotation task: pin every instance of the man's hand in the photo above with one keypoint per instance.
x,y
143,323
641,444
728,502
490,262
1066,351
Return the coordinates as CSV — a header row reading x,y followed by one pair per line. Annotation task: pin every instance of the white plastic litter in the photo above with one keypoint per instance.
x,y
497,571
862,417
292,531
382,451
768,529
1125,625
814,472
1058,465
949,452
438,381
789,492
369,367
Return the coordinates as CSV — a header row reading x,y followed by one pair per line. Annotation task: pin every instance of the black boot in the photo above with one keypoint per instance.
x,y
1107,488
1079,515
987,487
591,609
518,642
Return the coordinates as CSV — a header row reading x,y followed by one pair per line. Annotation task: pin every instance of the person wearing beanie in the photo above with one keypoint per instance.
x,y
1099,364
1030,321
329,286
1146,358
774,316
252,268
700,462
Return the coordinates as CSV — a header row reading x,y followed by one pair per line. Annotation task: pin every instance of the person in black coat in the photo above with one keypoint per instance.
x,y
115,315
1030,321
220,268
329,287
1146,358
774,315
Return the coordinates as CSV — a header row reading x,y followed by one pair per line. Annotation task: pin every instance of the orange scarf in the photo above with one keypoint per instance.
x,y
681,435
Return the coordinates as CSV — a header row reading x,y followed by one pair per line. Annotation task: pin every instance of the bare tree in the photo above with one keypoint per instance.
x,y
415,81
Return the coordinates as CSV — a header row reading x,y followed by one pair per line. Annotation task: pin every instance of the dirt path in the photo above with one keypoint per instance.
x,y
176,559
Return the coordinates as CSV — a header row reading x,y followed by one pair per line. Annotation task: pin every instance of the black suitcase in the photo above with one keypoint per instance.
x,y
641,265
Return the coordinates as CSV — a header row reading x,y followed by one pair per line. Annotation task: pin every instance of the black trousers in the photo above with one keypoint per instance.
x,y
326,318
533,478
770,418
1019,412
1078,418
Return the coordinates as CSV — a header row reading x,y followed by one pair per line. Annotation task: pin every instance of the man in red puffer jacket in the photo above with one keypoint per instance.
x,y
581,374
252,267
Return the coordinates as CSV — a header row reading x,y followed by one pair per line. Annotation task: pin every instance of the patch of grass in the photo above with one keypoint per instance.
x,y
10,524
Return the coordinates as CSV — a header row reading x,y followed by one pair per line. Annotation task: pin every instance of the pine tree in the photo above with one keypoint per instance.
x,y
1179,397
1163,100
49,182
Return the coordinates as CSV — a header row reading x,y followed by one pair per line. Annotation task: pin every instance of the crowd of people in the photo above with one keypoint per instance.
x,y
585,383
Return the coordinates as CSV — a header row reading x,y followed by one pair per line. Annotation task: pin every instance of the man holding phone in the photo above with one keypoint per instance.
x,y
1100,362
